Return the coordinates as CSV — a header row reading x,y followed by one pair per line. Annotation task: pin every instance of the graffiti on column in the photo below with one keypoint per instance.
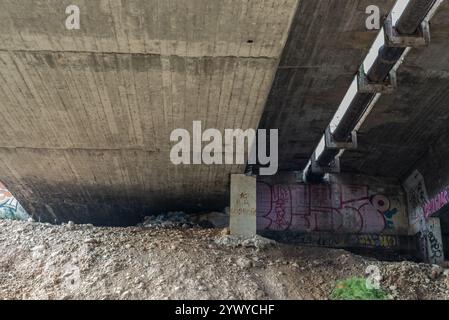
x,y
324,208
10,208
436,204
420,205
417,197
421,222
431,244
436,251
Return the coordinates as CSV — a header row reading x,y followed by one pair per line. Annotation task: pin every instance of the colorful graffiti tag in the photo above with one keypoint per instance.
x,y
336,240
436,204
431,243
325,207
10,208
421,222
417,196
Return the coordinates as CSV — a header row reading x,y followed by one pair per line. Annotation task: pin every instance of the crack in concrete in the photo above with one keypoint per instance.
x,y
140,54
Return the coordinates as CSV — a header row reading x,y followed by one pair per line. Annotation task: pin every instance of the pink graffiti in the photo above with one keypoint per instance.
x,y
436,204
305,208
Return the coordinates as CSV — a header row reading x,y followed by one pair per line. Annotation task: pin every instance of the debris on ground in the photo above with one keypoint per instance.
x,y
167,220
179,219
43,261
234,241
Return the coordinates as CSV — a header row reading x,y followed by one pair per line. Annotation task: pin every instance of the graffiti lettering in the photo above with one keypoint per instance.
x,y
435,247
436,204
374,240
430,242
431,247
336,240
324,208
421,220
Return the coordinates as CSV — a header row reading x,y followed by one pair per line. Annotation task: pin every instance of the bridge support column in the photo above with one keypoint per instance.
x,y
432,242
243,205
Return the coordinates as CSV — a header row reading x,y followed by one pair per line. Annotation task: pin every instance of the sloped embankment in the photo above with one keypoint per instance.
x,y
40,261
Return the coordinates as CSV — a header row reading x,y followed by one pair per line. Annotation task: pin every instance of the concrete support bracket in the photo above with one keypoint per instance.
x,y
393,39
333,167
331,143
386,87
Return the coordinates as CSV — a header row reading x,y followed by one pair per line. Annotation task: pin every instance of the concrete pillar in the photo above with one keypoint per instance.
x,y
434,241
243,205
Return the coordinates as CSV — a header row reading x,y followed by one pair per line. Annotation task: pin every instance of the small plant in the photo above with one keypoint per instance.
x,y
356,289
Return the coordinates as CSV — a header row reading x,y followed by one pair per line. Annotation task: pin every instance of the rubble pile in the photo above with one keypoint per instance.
x,y
70,261
407,280
179,219
167,220
256,242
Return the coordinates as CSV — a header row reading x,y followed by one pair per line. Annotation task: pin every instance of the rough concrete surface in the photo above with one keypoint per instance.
x,y
87,114
327,43
412,121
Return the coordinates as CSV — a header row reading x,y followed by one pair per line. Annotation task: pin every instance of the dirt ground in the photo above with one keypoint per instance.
x,y
42,261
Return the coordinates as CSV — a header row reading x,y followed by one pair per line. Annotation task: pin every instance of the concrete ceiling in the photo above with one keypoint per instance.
x,y
87,114
405,125
327,43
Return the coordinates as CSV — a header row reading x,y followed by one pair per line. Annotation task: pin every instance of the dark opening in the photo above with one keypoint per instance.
x,y
444,221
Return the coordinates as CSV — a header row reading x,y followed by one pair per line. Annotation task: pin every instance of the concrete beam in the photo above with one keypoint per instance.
x,y
410,124
327,43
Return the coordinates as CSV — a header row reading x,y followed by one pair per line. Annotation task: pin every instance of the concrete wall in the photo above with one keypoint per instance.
x,y
427,191
434,167
347,211
422,223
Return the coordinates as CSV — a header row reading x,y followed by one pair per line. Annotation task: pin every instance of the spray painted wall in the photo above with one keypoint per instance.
x,y
437,203
10,208
336,207
421,209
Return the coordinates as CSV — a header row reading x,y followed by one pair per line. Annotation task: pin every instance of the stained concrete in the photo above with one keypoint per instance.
x,y
243,205
192,28
409,129
87,114
327,43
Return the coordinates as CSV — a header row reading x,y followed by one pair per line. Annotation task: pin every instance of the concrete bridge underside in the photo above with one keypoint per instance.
x,y
86,115
409,128
405,130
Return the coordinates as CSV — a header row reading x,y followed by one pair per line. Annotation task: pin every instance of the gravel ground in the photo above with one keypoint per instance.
x,y
42,261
